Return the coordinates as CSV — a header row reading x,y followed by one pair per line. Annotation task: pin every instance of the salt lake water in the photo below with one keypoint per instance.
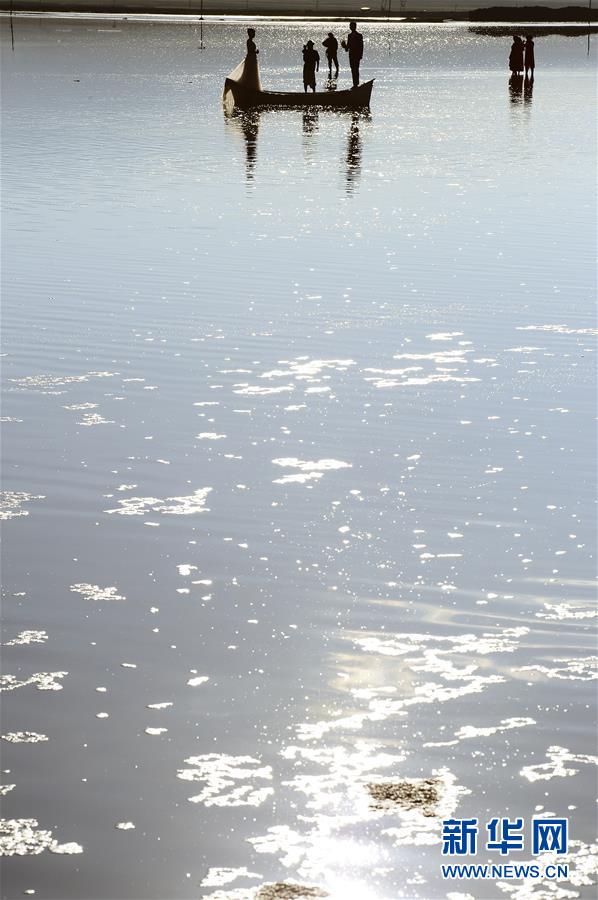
x,y
298,435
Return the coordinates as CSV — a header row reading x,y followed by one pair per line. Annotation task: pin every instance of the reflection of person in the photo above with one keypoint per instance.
x,y
530,61
331,45
516,87
354,47
310,120
516,55
250,125
353,152
311,64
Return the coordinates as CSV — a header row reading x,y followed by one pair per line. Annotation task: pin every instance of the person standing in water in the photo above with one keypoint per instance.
x,y
331,45
530,62
354,47
311,64
516,56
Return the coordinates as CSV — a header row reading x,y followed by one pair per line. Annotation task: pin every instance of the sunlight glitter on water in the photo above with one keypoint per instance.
x,y
342,369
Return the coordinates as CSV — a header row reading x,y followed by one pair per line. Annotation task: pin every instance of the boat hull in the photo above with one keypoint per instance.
x,y
357,98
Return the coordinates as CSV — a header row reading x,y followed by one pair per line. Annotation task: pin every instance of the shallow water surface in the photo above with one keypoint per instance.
x,y
298,463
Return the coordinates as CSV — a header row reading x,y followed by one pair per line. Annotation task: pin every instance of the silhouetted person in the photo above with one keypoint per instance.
x,y
251,48
331,45
354,47
250,76
311,64
516,55
246,74
530,61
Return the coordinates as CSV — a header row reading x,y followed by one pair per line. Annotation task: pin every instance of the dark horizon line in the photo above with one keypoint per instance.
x,y
500,14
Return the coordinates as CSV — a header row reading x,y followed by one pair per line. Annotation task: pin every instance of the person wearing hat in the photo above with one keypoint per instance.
x,y
311,65
331,45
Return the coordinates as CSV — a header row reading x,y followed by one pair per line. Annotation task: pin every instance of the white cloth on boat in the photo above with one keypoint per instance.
x,y
246,74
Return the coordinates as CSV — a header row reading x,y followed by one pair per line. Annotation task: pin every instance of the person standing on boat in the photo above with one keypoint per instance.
x,y
251,48
530,62
311,65
247,74
331,45
354,47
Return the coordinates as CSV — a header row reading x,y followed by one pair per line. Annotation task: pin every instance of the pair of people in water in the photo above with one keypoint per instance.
x,y
353,45
522,56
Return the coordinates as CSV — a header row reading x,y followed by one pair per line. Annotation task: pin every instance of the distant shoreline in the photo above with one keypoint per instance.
x,y
496,14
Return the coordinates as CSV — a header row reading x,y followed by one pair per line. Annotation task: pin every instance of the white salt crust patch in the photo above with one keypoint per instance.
x,y
23,837
171,506
228,780
309,470
582,860
218,876
556,765
80,406
441,657
557,329
49,383
198,680
584,668
566,611
44,681
90,419
28,637
11,503
95,592
467,732
24,737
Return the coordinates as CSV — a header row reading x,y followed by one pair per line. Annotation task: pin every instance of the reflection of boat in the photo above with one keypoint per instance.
x,y
246,98
246,123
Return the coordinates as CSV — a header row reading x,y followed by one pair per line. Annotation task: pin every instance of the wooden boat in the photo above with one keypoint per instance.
x,y
245,98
